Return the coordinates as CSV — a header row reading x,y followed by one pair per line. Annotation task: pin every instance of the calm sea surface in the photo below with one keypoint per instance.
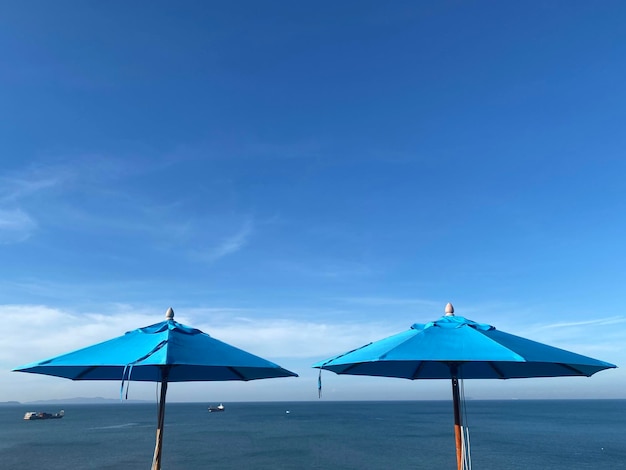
x,y
550,435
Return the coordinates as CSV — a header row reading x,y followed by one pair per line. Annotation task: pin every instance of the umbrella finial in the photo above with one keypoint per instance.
x,y
169,314
449,310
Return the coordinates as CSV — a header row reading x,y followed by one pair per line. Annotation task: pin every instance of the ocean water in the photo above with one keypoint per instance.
x,y
547,435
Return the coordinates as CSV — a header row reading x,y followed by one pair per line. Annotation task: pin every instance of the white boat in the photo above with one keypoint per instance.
x,y
213,409
33,415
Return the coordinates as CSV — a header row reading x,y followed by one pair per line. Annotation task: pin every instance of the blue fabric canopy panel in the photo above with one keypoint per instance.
x,y
478,351
141,355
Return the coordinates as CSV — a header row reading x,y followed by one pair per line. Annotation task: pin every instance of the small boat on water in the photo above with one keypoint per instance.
x,y
214,409
32,415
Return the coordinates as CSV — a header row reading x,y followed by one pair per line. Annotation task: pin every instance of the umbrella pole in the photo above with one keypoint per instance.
x,y
457,422
156,461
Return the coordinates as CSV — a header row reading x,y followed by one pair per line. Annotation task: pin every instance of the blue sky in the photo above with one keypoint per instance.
x,y
301,178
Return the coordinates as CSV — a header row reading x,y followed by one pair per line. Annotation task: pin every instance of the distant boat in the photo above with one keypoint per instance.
x,y
33,415
214,409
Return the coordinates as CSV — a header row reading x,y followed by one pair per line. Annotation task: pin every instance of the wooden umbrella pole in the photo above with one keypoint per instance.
x,y
457,422
156,461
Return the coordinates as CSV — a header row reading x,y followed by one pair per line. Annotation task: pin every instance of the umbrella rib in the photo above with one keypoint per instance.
x,y
496,369
351,366
417,370
344,354
237,373
574,369
85,372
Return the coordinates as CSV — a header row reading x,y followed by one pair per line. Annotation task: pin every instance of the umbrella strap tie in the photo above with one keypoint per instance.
x,y
129,368
146,356
319,385
465,434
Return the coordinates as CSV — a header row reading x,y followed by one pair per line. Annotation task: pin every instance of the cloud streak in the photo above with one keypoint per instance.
x,y
16,189
16,192
391,301
596,322
230,244
15,226
99,194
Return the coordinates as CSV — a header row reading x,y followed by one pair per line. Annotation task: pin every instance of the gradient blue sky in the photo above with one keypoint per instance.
x,y
300,178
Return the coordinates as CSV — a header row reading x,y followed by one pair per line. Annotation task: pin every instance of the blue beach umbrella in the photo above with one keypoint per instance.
x,y
164,352
456,348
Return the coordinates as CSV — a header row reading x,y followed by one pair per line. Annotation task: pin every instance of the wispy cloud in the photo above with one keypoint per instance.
x,y
19,191
596,322
16,189
392,301
326,268
15,226
230,244
95,193
38,331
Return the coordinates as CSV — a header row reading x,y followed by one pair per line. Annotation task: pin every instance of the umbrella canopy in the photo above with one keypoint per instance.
x,y
164,352
188,354
454,348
